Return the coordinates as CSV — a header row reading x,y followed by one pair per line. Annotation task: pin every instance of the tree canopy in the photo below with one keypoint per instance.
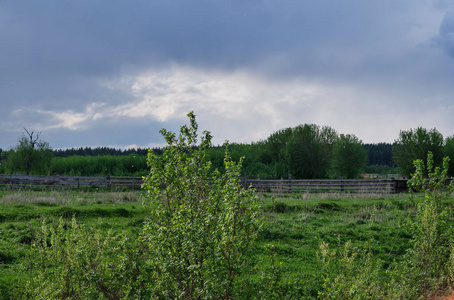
x,y
449,151
349,156
415,144
31,155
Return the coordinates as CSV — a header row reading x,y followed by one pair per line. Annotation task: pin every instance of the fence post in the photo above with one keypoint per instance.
x,y
78,183
342,183
289,183
108,181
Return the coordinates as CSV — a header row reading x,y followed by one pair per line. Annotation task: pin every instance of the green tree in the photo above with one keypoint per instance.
x,y
308,151
349,156
449,151
31,155
202,222
275,152
380,154
415,144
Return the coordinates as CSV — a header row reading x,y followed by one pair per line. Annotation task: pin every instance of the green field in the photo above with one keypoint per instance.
x,y
287,253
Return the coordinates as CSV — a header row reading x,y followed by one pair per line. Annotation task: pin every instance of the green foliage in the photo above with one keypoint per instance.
x,y
275,153
283,258
414,144
103,165
449,152
309,151
29,157
380,154
202,222
349,157
349,273
100,151
76,262
428,266
380,169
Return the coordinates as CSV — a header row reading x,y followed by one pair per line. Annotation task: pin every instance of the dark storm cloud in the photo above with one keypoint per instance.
x,y
51,38
77,68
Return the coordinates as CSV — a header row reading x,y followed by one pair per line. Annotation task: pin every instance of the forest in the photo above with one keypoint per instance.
x,y
306,151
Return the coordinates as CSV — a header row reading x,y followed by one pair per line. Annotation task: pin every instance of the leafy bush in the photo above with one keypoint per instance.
x,y
71,261
350,273
428,266
202,222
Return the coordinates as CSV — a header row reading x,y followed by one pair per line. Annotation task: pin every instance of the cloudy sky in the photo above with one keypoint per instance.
x,y
113,73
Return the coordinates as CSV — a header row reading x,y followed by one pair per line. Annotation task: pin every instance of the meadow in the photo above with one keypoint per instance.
x,y
290,258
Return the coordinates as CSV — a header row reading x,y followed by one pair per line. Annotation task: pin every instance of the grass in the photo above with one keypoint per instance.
x,y
296,226
22,213
287,249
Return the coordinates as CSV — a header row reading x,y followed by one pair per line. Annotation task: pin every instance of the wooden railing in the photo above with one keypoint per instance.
x,y
389,186
273,186
75,182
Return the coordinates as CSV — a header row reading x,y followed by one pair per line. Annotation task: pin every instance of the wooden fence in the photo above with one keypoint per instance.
x,y
389,186
274,186
74,182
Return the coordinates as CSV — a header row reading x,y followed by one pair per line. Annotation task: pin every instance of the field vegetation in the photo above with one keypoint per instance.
x,y
306,243
285,252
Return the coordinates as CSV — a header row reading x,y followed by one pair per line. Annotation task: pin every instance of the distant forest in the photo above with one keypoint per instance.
x,y
379,154
88,151
102,161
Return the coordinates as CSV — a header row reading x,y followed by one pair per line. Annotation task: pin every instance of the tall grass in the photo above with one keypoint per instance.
x,y
69,197
312,246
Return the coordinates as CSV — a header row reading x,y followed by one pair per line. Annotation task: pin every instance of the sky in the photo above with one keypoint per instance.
x,y
111,73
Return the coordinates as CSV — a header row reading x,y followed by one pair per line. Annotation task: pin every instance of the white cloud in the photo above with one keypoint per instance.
x,y
171,93
69,119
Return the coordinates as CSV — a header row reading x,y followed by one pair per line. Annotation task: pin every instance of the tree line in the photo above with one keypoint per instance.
x,y
89,151
306,151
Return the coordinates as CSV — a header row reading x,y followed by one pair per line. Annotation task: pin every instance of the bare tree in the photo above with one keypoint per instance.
x,y
32,141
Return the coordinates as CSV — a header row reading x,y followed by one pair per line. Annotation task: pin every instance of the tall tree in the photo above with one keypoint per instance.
x,y
275,151
309,151
380,154
349,156
415,144
31,155
449,151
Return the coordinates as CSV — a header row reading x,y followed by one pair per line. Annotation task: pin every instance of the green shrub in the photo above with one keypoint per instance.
x,y
428,265
71,261
202,222
349,273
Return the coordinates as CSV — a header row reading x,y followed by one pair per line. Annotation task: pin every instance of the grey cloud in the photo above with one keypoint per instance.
x,y
92,37
56,55
446,38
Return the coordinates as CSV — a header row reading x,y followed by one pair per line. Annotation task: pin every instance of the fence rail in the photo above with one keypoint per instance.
x,y
389,186
274,186
27,181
